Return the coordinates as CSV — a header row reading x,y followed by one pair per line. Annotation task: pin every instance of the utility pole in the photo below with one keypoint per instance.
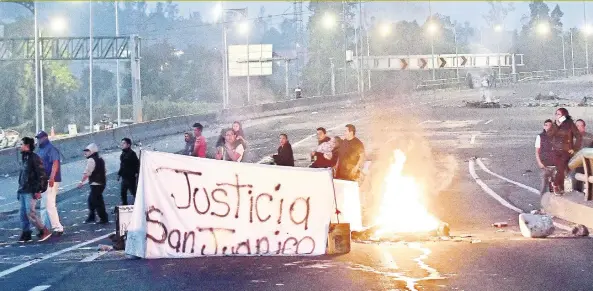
x,y
117,82
91,65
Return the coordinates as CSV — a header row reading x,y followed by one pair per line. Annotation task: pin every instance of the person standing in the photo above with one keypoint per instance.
x,y
285,156
95,173
51,161
129,168
31,176
200,141
544,155
564,133
350,156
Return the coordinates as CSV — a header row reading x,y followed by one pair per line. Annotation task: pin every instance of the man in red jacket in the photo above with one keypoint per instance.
x,y
200,141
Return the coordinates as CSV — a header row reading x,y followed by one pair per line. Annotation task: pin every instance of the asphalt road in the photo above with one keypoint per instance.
x,y
476,257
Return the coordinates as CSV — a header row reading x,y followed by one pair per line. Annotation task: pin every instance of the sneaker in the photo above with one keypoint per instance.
x,y
25,237
46,235
58,232
88,220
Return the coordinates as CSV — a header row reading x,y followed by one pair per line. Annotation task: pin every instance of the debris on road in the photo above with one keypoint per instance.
x,y
105,248
481,104
580,230
535,226
500,224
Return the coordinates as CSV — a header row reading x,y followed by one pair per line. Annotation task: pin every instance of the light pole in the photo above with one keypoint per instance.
x,y
244,29
498,29
563,53
587,32
117,81
223,11
56,25
36,31
571,53
91,65
432,29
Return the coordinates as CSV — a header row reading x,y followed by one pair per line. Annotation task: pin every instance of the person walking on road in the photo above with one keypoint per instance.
x,y
199,141
95,173
544,155
350,156
129,168
564,133
51,161
285,156
32,178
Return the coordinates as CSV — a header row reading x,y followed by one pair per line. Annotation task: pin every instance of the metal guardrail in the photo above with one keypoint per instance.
x,y
504,79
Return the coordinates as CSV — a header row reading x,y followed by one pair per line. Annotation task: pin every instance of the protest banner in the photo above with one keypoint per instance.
x,y
192,207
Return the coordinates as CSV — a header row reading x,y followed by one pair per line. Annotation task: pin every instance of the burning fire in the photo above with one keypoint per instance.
x,y
401,208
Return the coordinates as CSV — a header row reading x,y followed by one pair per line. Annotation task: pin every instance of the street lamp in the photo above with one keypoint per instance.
x,y
432,30
587,30
385,29
329,20
244,29
543,28
498,29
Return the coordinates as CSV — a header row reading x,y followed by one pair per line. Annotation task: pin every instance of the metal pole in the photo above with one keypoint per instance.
x,y
36,32
563,53
456,54
498,49
286,77
358,60
571,53
226,69
359,40
431,42
586,36
368,55
333,79
344,89
248,73
117,81
91,65
42,95
223,51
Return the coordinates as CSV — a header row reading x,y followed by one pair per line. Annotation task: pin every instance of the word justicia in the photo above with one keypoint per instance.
x,y
241,201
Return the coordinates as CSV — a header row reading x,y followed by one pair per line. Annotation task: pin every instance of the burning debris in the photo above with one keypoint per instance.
x,y
401,214
482,104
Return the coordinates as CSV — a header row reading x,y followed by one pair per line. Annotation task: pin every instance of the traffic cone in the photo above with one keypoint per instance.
x,y
52,133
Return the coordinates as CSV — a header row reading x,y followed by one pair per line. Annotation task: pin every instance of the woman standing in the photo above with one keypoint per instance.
x,y
564,132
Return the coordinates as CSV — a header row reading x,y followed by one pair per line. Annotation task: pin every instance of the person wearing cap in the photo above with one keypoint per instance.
x,y
200,141
51,161
30,179
95,173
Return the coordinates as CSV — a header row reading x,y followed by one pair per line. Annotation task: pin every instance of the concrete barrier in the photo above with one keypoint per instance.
x,y
72,147
570,207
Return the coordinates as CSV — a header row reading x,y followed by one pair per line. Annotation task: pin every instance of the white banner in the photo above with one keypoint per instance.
x,y
191,207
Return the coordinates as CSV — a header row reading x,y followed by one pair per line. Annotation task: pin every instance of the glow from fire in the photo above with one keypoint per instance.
x,y
401,208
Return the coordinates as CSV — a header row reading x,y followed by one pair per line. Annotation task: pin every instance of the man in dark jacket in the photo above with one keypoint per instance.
x,y
284,156
29,191
544,155
96,173
129,168
189,144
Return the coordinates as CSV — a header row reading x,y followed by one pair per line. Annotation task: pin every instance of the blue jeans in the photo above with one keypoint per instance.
x,y
28,215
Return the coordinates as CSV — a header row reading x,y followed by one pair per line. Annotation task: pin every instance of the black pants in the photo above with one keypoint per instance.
x,y
96,203
127,185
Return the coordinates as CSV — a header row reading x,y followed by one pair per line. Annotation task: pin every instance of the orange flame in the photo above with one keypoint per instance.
x,y
401,206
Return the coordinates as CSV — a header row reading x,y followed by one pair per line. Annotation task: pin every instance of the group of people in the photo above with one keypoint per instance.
x,y
560,139
344,155
40,176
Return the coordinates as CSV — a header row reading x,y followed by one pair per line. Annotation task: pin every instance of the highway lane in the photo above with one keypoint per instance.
x,y
478,257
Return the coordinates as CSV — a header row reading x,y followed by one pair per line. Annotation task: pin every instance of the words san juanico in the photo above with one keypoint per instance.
x,y
191,207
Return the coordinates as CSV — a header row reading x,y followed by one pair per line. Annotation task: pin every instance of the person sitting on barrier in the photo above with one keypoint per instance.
x,y
587,143
285,156
563,133
238,129
322,156
189,144
232,150
544,155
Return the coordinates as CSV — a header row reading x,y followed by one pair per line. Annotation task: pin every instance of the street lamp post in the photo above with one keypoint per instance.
x,y
91,65
571,53
117,81
36,32
563,53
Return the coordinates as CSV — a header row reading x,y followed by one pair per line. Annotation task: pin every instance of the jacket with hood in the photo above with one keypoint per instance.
x,y
30,174
95,167
129,164
564,134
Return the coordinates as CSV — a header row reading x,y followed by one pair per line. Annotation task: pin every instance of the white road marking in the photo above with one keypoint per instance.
x,y
93,256
489,121
473,140
530,189
51,255
502,201
40,288
472,172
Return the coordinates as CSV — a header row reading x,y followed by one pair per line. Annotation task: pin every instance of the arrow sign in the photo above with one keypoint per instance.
x,y
442,62
404,64
422,63
463,60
